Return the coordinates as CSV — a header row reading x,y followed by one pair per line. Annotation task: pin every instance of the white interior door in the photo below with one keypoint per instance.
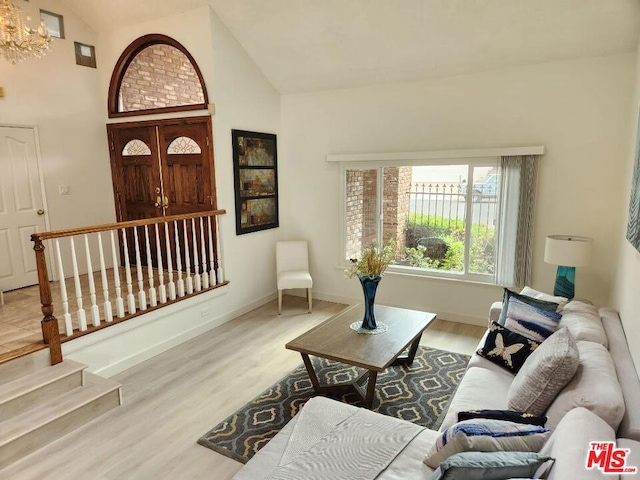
x,y
21,207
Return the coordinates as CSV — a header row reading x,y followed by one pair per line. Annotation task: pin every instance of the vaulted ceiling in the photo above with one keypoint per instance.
x,y
310,45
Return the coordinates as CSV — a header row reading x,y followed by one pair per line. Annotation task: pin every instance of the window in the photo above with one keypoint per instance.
x,y
156,74
448,218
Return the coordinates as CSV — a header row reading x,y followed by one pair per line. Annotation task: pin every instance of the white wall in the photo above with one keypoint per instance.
x,y
63,101
245,100
577,109
625,289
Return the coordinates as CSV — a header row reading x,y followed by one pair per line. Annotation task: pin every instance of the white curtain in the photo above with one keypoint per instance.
x,y
515,222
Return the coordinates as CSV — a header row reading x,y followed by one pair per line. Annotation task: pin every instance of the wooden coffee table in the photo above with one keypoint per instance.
x,y
334,340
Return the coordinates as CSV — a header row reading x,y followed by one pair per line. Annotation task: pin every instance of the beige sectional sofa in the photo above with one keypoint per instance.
x,y
601,403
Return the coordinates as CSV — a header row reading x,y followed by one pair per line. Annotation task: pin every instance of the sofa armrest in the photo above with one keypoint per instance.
x,y
494,312
626,371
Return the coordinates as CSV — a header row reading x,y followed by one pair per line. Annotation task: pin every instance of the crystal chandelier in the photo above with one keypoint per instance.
x,y
18,41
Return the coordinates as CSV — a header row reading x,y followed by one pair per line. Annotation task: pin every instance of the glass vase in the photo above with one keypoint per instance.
x,y
369,287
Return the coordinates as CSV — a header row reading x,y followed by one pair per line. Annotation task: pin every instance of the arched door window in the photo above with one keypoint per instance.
x,y
156,74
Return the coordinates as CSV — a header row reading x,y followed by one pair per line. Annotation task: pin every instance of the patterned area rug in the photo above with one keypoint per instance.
x,y
418,393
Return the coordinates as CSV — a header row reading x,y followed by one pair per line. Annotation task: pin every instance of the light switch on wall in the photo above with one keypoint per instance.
x,y
64,189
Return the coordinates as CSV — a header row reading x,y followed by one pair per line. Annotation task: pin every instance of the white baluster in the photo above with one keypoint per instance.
x,y
167,242
187,259
82,317
212,259
95,312
205,274
162,290
178,259
68,326
108,314
220,272
197,281
131,299
142,295
116,278
153,296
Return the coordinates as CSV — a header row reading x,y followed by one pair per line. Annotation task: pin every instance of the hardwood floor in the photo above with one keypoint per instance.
x,y
174,398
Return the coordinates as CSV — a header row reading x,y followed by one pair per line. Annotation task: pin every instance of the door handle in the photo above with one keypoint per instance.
x,y
165,203
40,212
158,202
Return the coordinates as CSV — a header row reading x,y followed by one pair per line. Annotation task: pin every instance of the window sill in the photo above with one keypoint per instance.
x,y
431,276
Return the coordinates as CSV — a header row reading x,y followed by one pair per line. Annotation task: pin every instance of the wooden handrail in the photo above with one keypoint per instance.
x,y
118,225
50,329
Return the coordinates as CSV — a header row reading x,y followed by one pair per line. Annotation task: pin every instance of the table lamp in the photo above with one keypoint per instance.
x,y
568,252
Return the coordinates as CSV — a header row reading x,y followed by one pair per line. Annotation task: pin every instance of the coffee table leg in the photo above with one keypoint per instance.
x,y
413,349
312,373
371,389
408,359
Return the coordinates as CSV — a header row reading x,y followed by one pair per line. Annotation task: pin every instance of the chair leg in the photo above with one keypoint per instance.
x,y
279,302
309,298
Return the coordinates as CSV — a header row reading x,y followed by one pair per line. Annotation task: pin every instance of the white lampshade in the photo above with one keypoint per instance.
x,y
567,250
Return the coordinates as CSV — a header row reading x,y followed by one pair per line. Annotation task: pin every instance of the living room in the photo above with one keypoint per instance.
x,y
574,93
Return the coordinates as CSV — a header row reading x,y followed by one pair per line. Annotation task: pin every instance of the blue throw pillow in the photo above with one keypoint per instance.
x,y
534,302
484,435
506,348
529,321
490,466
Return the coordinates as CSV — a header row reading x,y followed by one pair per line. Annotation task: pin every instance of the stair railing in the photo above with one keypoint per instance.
x,y
171,258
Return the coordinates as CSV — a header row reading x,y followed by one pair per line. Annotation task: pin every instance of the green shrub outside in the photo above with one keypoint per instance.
x,y
451,231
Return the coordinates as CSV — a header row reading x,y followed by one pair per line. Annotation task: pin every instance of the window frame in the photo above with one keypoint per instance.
x,y
472,157
470,162
128,55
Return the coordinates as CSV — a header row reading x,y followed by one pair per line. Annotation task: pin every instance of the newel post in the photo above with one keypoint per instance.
x,y
50,332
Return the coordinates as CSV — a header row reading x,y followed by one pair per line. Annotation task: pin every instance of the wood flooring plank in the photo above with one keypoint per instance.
x,y
173,399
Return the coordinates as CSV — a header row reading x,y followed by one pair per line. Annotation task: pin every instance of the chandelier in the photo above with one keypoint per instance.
x,y
18,41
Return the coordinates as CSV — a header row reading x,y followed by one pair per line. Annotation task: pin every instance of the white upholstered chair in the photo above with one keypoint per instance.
x,y
292,267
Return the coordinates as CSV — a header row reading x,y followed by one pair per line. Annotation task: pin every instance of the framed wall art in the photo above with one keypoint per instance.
x,y
255,168
633,226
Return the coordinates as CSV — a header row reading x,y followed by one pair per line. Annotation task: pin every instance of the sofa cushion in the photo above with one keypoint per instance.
x,y
569,445
480,388
508,415
540,304
489,465
505,348
530,321
595,387
485,435
584,323
538,295
544,374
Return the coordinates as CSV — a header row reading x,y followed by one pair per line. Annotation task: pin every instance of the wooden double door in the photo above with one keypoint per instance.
x,y
162,168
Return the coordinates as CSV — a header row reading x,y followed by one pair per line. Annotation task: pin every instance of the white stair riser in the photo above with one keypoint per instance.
x,y
58,427
36,397
19,367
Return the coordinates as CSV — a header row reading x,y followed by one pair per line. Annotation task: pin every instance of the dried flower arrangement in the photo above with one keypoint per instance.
x,y
374,260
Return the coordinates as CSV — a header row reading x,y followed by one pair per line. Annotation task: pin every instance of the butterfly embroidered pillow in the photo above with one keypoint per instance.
x,y
506,348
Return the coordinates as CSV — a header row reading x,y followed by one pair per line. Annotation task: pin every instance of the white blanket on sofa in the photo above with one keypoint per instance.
x,y
358,447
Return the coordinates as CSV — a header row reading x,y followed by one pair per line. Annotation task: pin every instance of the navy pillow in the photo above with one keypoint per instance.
x,y
508,415
506,348
534,302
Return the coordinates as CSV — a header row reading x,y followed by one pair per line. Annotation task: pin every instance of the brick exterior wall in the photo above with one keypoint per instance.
x,y
395,205
159,76
361,218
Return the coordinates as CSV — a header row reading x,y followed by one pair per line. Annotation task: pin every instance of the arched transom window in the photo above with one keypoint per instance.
x,y
155,74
